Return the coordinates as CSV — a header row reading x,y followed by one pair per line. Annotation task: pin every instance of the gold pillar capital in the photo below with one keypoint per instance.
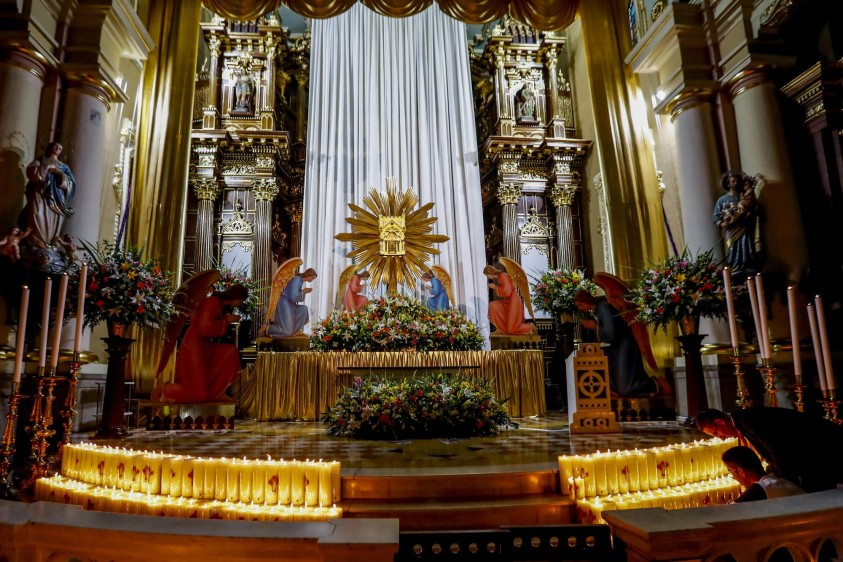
x,y
26,58
563,194
207,189
295,212
508,193
509,161
746,80
688,99
265,189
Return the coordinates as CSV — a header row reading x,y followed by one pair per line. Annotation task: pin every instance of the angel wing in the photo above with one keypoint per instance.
x,y
186,300
445,278
616,291
520,279
345,277
286,271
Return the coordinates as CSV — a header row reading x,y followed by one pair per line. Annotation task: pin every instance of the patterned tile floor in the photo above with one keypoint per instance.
x,y
534,445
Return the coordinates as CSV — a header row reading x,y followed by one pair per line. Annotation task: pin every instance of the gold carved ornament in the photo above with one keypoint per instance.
x,y
544,15
390,238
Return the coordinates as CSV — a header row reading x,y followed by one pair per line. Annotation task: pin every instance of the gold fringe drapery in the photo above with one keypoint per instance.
x,y
303,385
544,15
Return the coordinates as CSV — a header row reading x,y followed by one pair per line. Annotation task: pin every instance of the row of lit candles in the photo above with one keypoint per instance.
x,y
718,491
601,474
269,482
45,322
816,321
61,490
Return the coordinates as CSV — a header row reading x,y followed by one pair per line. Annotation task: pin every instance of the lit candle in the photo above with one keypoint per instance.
x,y
326,492
270,486
829,372
21,339
762,314
80,307
188,469
818,351
794,333
336,480
730,306
600,481
54,358
612,461
246,477
566,472
311,484
285,478
258,480
45,324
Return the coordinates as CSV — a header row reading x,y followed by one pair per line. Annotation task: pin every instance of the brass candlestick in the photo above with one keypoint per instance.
x,y
70,403
769,373
743,401
40,430
831,406
799,389
7,447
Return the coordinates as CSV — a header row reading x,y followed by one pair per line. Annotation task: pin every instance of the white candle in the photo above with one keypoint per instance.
x,y
762,314
45,324
54,357
815,340
730,306
829,373
21,339
753,301
794,333
80,307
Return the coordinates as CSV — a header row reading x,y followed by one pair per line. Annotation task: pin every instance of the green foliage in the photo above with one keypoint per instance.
x,y
123,287
554,291
395,323
421,407
231,277
679,287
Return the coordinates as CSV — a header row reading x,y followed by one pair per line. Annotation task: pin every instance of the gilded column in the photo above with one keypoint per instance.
x,y
508,195
697,169
294,211
86,105
556,123
302,75
761,140
211,113
22,74
265,190
207,190
562,196
157,212
638,233
506,120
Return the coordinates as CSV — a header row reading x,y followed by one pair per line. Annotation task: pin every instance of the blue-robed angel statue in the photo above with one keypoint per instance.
x,y
287,316
439,284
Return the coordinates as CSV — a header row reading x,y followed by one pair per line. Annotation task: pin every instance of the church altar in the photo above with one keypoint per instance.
x,y
302,385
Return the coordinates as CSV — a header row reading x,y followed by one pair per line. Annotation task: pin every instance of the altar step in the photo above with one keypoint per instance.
x,y
459,501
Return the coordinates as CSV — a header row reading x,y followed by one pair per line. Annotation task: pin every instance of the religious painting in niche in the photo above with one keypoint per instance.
x,y
236,242
535,247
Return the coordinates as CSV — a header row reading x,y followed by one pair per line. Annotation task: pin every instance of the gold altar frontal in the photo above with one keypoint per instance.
x,y
302,385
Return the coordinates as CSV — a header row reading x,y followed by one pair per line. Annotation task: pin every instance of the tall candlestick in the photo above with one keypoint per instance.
x,y
762,314
730,306
829,373
45,325
80,307
54,357
753,302
19,345
794,333
818,350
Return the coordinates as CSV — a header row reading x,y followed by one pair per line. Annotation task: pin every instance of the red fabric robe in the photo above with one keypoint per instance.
x,y
507,314
204,369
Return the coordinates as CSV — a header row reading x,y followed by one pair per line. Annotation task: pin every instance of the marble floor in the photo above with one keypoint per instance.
x,y
535,444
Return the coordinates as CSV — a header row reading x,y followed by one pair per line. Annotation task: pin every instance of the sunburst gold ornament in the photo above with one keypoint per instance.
x,y
390,238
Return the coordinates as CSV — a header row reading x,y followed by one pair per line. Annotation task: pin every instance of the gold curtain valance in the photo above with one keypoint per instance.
x,y
544,15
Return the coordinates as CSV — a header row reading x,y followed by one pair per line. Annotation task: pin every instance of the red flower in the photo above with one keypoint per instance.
x,y
100,303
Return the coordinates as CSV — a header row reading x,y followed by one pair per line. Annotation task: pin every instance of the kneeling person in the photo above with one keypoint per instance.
x,y
745,467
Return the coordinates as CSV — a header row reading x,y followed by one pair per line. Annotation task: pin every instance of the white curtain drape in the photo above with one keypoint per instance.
x,y
393,97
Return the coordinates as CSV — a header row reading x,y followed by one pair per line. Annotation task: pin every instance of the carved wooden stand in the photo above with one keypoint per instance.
x,y
594,407
113,423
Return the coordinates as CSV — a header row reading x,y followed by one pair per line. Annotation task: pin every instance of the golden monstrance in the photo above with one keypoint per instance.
x,y
390,238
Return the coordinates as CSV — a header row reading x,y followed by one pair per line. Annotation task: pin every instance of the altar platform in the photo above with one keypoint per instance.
x,y
428,484
302,385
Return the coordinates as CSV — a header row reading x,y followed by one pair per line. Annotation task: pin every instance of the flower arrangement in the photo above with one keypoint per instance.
x,y
230,277
394,323
124,287
426,406
678,288
555,289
